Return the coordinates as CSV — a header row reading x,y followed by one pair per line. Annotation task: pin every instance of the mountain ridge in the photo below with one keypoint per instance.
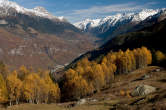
x,y
139,16
112,26
6,5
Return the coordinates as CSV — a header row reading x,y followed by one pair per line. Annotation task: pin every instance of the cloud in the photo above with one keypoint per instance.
x,y
34,3
109,9
95,11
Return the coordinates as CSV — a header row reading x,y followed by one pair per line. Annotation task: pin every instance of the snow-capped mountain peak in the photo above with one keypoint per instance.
x,y
144,14
6,5
118,18
92,23
86,22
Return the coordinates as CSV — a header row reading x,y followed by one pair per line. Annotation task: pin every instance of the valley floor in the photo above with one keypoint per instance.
x,y
117,97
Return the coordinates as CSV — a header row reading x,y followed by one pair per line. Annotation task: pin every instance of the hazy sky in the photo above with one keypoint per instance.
x,y
77,10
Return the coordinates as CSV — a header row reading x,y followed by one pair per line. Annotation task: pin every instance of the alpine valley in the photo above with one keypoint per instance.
x,y
113,63
32,37
36,38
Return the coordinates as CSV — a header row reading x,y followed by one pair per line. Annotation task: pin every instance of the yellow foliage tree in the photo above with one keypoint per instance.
x,y
40,90
3,90
76,88
98,77
70,74
14,86
147,55
80,70
159,56
53,90
30,87
23,72
83,62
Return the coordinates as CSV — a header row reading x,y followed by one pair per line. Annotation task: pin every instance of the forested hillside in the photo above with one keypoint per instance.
x,y
152,37
88,77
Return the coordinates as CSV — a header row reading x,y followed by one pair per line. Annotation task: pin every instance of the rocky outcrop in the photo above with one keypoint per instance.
x,y
81,102
142,90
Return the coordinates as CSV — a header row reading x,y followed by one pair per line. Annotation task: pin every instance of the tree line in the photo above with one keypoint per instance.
x,y
24,85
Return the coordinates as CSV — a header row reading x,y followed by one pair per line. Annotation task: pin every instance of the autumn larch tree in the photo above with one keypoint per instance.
x,y
14,86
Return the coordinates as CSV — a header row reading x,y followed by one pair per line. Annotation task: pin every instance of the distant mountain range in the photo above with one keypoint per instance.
x,y
111,26
34,37
152,36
